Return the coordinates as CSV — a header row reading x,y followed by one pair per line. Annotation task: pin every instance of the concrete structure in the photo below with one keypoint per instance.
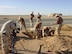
x,y
54,14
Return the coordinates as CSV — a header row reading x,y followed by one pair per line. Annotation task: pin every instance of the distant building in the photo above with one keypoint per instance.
x,y
54,14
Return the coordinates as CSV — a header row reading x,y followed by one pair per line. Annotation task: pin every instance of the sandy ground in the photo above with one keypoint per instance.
x,y
49,45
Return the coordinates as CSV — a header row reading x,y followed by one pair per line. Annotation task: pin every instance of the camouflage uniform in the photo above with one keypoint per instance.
x,y
38,29
6,38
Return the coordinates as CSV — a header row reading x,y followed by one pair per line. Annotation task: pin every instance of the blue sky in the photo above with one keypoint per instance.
x,y
25,7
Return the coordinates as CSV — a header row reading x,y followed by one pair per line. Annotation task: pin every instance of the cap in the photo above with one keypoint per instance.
x,y
57,16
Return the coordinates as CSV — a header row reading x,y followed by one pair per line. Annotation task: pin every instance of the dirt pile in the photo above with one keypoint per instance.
x,y
66,28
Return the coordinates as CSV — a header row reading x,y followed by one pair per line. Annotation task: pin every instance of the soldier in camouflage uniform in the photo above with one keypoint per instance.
x,y
37,27
5,33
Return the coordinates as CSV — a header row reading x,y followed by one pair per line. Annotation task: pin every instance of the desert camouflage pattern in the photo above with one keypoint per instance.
x,y
5,33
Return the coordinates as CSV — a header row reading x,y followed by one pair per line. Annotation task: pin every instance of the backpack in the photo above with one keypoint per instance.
x,y
60,20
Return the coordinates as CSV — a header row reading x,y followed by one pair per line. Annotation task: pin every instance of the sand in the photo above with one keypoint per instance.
x,y
49,45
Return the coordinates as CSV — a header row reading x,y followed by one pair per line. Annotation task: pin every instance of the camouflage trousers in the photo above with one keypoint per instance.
x,y
31,23
58,29
6,43
38,33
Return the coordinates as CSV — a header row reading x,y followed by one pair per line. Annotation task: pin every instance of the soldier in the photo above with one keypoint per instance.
x,y
31,19
47,31
37,27
38,17
58,23
6,38
21,22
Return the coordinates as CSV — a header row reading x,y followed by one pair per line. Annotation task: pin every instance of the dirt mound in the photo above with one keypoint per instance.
x,y
58,43
51,45
66,28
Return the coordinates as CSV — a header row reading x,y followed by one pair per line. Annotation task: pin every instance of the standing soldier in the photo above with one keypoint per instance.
x,y
38,17
31,19
58,22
